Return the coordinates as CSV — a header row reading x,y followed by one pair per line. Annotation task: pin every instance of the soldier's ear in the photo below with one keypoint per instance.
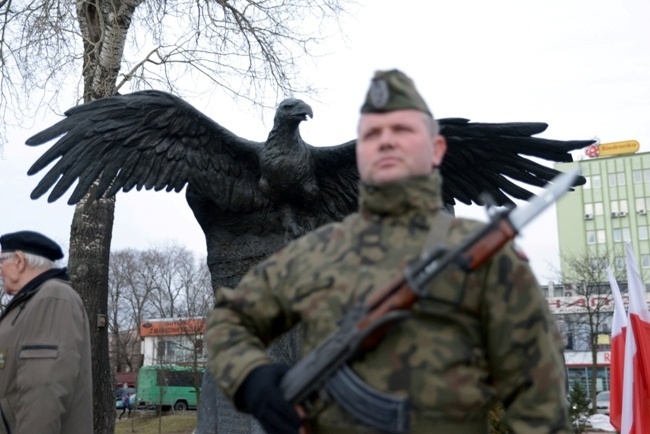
x,y
439,149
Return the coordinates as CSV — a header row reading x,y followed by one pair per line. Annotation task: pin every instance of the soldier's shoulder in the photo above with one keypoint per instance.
x,y
462,227
469,223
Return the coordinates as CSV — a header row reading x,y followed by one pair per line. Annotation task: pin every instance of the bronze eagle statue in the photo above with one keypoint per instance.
x,y
251,197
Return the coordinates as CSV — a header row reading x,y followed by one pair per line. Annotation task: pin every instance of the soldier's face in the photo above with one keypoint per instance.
x,y
397,145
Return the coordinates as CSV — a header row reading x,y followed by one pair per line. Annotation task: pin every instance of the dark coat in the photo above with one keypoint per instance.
x,y
45,361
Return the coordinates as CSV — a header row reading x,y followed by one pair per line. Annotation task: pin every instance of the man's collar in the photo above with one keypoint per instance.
x,y
398,197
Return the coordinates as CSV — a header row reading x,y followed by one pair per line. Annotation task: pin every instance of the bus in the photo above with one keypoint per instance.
x,y
168,386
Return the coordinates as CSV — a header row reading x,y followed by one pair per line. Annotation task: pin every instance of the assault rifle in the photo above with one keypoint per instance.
x,y
325,372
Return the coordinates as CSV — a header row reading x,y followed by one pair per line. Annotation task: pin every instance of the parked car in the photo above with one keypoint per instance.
x,y
602,402
119,393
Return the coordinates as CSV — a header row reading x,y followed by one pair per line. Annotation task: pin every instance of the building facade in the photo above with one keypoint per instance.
x,y
571,312
612,208
594,224
173,341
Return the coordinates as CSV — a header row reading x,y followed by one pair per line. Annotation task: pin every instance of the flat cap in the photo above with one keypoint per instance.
x,y
393,90
31,242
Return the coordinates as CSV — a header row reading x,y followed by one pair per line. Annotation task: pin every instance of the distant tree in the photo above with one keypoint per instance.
x,y
165,281
586,278
194,349
578,407
199,300
174,269
159,282
129,290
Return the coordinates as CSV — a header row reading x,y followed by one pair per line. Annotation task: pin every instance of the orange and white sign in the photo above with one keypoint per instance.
x,y
176,327
613,148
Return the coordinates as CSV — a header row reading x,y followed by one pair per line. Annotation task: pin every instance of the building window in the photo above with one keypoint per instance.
x,y
594,237
616,235
637,176
643,232
615,179
622,204
612,179
591,237
595,181
598,208
587,184
619,263
618,206
166,349
626,235
598,263
643,203
589,208
646,175
645,261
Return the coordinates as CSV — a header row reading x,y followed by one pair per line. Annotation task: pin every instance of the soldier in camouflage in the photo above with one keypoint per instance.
x,y
479,337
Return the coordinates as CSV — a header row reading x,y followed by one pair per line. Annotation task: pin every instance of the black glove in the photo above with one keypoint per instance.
x,y
261,395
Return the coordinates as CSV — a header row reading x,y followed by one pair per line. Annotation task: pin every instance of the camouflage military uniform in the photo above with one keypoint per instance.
x,y
479,336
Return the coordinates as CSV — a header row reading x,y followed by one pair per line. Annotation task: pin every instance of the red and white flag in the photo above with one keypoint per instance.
x,y
635,416
619,326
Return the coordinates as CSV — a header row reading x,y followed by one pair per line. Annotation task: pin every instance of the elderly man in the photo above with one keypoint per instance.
x,y
477,337
45,370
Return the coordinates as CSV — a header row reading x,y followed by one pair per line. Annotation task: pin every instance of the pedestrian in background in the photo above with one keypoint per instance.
x,y
45,361
126,405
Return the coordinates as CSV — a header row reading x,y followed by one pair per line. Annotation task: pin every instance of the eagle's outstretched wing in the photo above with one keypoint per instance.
x,y
152,140
481,158
486,158
338,178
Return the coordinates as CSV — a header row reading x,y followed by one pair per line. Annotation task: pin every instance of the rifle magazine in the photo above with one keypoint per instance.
x,y
371,407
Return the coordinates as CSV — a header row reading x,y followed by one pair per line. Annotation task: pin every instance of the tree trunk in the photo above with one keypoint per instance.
x,y
90,240
594,370
104,25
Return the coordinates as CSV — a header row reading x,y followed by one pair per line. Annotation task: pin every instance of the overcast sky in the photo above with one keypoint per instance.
x,y
582,66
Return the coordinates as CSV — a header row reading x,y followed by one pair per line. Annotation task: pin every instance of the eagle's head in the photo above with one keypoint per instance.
x,y
292,111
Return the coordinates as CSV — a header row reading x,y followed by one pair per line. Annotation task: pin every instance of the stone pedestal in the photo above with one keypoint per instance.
x,y
216,412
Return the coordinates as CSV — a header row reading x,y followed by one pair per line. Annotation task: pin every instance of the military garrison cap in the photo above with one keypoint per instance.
x,y
31,242
393,90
